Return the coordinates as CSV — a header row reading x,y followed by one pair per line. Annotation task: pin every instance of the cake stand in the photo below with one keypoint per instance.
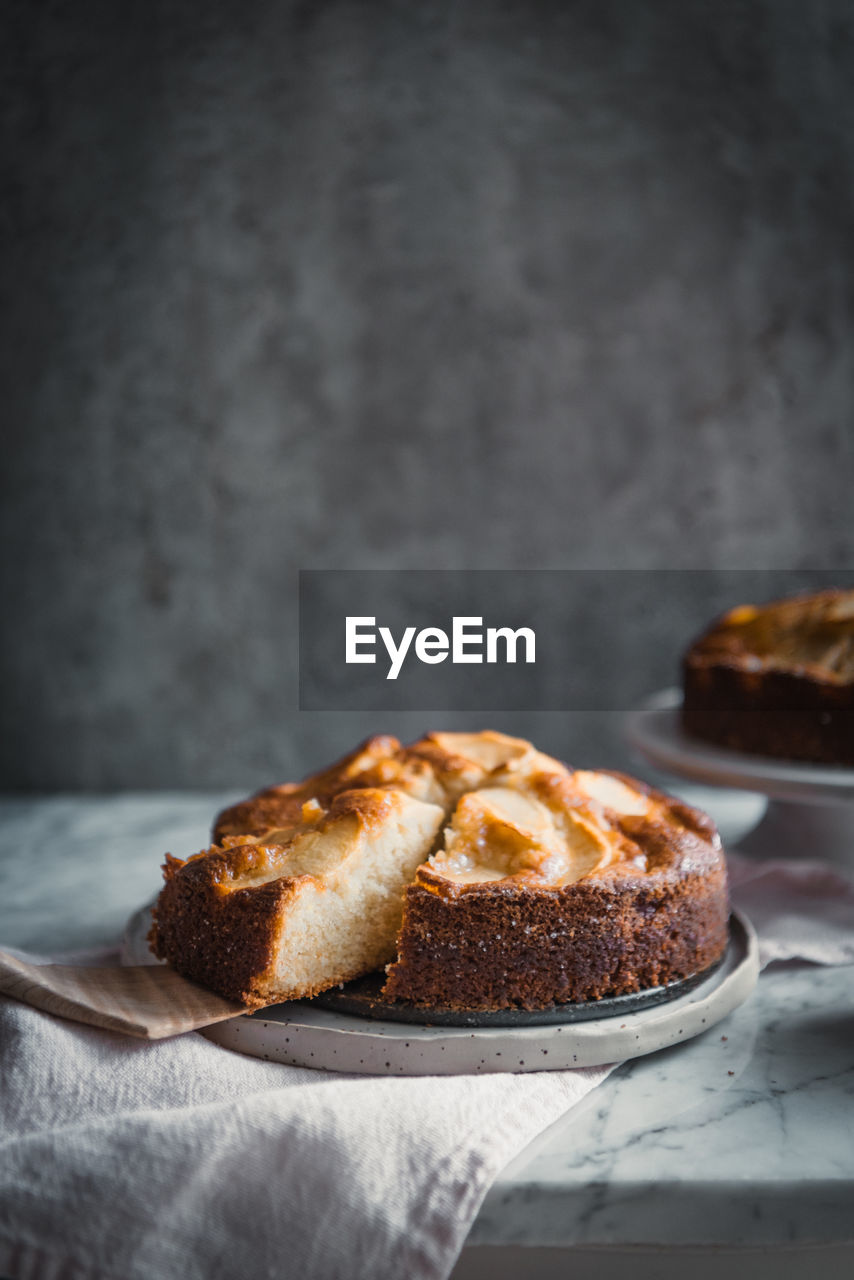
x,y
810,811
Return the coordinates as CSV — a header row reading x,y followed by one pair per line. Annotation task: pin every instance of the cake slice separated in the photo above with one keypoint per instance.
x,y
298,910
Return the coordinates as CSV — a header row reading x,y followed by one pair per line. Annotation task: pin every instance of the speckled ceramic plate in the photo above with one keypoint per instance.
x,y
302,1034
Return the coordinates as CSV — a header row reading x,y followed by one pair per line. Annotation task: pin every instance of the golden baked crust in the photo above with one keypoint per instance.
x,y
437,768
776,679
280,805
600,901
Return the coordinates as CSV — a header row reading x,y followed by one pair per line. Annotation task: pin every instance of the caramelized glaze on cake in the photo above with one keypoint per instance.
x,y
437,768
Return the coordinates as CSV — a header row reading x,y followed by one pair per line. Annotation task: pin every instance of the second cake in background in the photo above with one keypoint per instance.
x,y
776,680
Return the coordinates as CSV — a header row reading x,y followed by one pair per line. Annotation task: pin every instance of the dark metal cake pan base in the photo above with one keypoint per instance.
x,y
364,999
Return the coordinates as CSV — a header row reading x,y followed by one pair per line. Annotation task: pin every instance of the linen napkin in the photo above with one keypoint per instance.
x,y
122,1158
151,1001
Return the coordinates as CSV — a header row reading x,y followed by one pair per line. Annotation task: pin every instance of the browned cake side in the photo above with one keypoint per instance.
x,y
503,948
656,913
222,940
776,680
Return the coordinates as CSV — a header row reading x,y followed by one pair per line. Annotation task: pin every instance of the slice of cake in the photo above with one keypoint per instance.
x,y
776,679
295,911
561,886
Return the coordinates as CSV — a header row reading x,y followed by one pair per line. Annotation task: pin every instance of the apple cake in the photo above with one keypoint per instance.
x,y
483,873
776,679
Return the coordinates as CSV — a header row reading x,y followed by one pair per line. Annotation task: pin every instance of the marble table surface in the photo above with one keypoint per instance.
x,y
743,1136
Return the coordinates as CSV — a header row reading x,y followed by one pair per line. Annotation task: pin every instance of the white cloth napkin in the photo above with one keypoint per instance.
x,y
177,1160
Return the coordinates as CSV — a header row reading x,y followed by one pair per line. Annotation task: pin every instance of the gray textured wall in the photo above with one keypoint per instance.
x,y
437,285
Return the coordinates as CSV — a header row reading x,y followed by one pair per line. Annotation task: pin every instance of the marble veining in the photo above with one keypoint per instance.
x,y
743,1136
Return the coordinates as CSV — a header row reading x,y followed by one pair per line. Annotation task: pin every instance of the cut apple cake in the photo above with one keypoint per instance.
x,y
483,873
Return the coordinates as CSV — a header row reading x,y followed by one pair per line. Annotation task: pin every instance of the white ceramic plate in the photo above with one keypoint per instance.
x,y
301,1035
